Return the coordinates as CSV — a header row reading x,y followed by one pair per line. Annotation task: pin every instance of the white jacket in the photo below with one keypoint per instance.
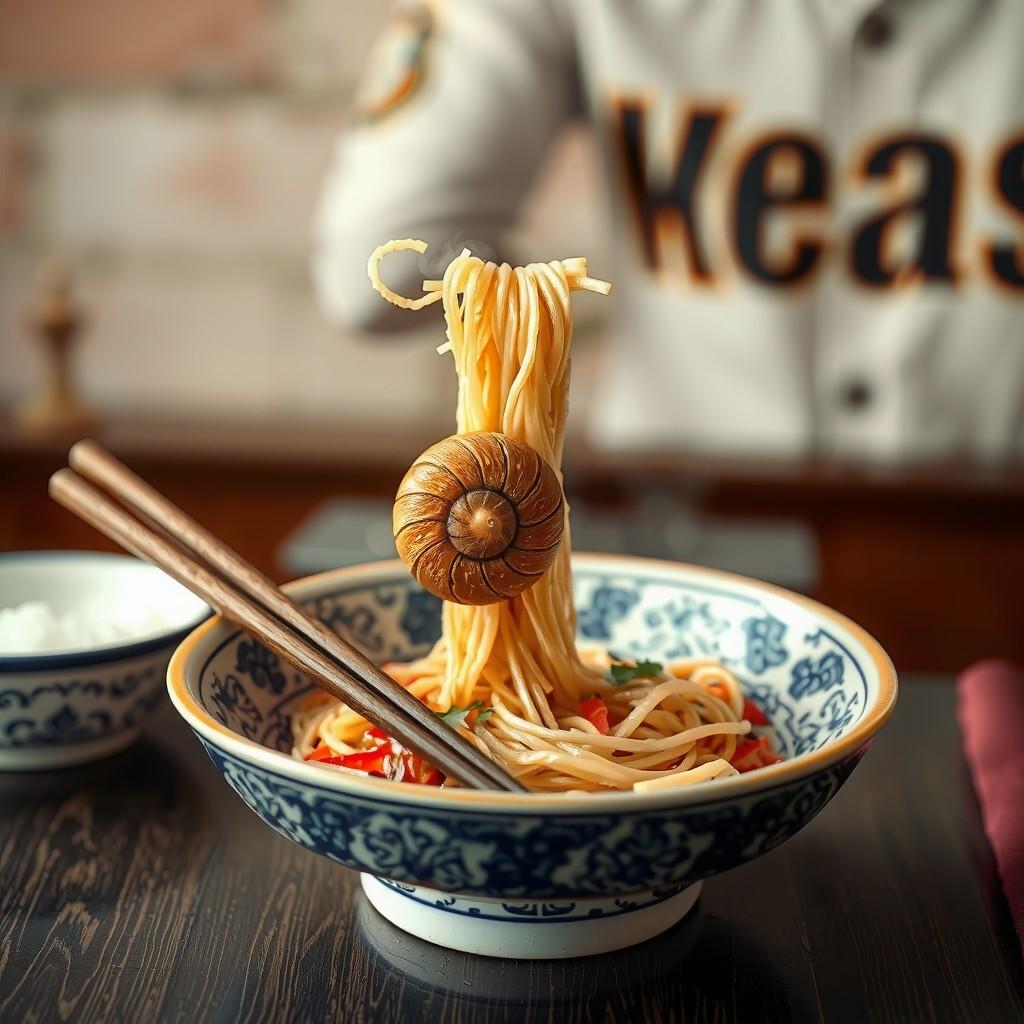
x,y
818,205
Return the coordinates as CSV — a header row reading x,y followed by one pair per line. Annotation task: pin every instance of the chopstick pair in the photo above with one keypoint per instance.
x,y
150,526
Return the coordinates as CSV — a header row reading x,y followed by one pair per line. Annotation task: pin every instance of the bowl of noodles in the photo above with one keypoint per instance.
x,y
581,864
665,722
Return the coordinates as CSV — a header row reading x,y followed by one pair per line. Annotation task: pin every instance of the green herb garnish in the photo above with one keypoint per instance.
x,y
619,672
456,716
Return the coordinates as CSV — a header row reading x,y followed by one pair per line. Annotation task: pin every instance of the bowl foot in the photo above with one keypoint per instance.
x,y
529,929
64,755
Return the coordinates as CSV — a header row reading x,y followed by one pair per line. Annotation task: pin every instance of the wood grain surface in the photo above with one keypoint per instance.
x,y
142,889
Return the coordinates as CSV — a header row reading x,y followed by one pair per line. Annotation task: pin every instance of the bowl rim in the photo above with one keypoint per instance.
x,y
785,772
103,654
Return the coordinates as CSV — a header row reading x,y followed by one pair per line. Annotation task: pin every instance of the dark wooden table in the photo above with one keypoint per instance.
x,y
142,889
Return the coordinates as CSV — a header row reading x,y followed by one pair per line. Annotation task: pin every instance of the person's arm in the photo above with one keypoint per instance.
x,y
465,97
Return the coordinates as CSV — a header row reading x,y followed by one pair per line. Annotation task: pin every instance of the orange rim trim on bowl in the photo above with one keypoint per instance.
x,y
789,770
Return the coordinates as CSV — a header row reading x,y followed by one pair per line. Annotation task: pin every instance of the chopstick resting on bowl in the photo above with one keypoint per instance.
x,y
144,522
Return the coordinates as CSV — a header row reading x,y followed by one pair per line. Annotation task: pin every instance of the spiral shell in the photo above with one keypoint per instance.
x,y
478,518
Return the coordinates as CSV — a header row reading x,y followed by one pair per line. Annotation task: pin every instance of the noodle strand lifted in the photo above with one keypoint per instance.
x,y
509,331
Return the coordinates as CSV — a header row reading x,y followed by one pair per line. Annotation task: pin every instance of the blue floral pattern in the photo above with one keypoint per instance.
x,y
764,643
809,683
421,616
608,605
398,622
811,677
798,730
545,858
531,912
63,726
231,705
262,666
43,712
683,628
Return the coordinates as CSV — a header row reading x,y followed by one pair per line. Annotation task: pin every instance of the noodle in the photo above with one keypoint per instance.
x,y
509,331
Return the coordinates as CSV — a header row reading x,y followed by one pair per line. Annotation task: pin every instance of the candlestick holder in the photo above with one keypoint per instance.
x,y
55,410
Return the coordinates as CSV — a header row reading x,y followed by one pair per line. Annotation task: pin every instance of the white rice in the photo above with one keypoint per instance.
x,y
36,628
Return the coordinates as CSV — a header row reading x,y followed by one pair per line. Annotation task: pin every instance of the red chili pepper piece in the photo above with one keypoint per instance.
x,y
755,753
320,753
415,769
753,714
373,761
384,759
595,711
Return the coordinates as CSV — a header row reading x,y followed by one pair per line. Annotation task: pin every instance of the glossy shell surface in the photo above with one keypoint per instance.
x,y
479,518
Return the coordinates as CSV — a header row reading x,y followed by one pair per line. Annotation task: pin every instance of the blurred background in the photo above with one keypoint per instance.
x,y
156,197
176,173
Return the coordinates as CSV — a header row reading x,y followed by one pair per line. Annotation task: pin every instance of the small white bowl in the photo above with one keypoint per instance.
x,y
67,707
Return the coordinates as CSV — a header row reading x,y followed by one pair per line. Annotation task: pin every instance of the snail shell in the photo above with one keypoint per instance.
x,y
478,518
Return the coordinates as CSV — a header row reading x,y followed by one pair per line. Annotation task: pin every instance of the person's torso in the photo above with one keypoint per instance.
x,y
818,211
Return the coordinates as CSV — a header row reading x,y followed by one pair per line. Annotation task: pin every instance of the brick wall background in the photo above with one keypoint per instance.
x,y
171,153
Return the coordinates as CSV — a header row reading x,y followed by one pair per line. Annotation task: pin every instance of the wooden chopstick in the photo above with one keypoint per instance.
x,y
98,465
370,693
435,741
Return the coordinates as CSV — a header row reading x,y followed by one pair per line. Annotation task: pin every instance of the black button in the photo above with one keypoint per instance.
x,y
877,31
855,395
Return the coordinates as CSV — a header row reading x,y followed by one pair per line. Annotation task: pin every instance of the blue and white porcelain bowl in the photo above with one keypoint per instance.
x,y
70,706
548,875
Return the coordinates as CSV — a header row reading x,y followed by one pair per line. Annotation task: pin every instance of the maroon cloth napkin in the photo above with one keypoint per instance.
x,y
991,712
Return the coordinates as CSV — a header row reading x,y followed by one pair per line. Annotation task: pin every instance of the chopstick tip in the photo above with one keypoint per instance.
x,y
82,448
58,482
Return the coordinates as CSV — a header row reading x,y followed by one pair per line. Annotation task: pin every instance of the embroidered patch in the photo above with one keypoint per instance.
x,y
397,64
